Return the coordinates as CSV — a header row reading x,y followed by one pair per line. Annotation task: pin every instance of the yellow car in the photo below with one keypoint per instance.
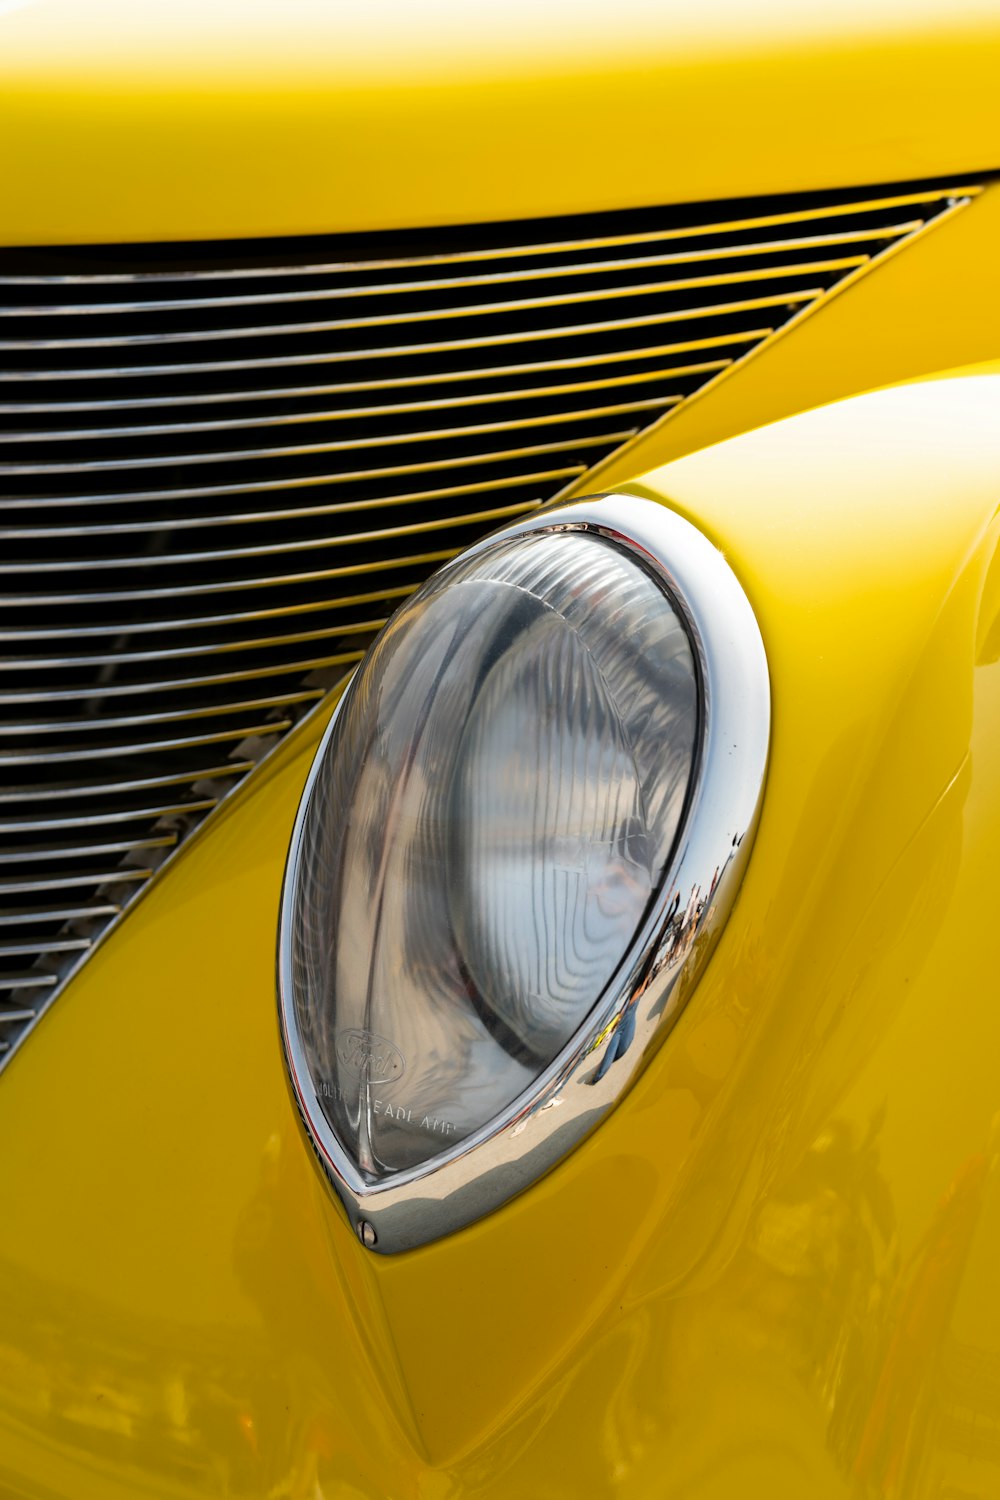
x,y
624,1116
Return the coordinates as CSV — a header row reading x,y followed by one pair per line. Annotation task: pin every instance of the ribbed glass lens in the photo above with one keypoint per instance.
x,y
496,804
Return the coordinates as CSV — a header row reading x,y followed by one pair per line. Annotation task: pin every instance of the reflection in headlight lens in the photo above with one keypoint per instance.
x,y
496,805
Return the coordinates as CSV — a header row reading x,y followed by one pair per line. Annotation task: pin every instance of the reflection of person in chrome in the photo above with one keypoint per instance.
x,y
623,1035
618,1043
681,927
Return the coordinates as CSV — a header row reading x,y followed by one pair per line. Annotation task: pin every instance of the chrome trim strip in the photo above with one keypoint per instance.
x,y
184,653
41,825
588,1078
84,851
465,283
403,382
131,497
50,883
63,913
96,725
352,476
20,796
224,586
171,684
202,622
352,413
311,544
102,752
346,445
501,252
45,945
437,314
405,351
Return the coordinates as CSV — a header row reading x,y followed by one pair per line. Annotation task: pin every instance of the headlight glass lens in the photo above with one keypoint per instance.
x,y
496,804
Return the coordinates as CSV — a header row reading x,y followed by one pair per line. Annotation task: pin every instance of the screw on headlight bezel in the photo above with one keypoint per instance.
x,y
587,1078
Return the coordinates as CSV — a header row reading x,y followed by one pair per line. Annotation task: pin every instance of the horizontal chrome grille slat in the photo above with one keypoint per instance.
x,y
278,549
388,440
437,314
466,283
442,347
43,945
237,518
357,476
62,912
138,721
114,876
175,684
105,752
208,622
100,820
406,382
89,597
185,653
20,796
85,851
219,481
543,247
356,413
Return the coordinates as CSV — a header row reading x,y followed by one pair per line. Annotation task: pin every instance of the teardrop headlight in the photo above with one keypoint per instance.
x,y
533,795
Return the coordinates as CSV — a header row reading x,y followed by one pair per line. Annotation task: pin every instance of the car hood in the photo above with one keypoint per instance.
x,y
136,120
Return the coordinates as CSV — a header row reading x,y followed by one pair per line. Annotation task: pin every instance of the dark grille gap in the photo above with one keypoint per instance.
x,y
223,465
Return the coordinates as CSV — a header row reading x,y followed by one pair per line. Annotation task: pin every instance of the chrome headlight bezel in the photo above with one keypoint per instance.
x,y
582,1084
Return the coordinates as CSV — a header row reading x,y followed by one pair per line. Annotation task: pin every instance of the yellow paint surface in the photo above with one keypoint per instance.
x,y
771,1272
142,119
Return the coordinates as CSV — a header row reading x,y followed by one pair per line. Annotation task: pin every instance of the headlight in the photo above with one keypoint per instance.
x,y
531,798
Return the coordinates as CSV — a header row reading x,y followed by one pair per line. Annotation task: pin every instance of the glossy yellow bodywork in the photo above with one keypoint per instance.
x,y
135,119
932,306
771,1272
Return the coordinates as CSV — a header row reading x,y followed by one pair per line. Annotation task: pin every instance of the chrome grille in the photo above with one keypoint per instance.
x,y
223,464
